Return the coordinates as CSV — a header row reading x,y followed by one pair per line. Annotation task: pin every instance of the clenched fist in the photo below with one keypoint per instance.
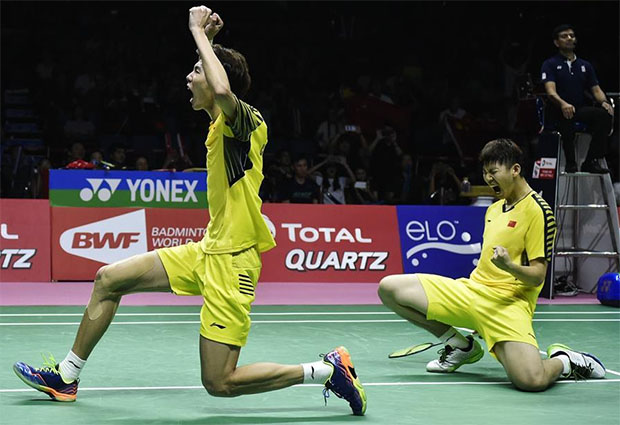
x,y
501,258
199,17
214,25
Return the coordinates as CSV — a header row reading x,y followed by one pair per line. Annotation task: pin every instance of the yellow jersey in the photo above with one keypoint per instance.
x,y
234,175
527,230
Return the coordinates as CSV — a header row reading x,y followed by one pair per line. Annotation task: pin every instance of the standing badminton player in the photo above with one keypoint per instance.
x,y
499,298
224,267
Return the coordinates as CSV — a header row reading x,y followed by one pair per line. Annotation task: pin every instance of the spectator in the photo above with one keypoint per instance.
x,y
118,157
96,157
142,164
385,157
76,152
332,185
301,189
445,186
269,188
174,161
353,146
282,170
454,112
330,129
408,188
364,192
566,78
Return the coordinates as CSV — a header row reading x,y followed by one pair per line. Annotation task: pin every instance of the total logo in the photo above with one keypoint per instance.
x,y
109,240
442,236
270,225
145,190
358,256
22,256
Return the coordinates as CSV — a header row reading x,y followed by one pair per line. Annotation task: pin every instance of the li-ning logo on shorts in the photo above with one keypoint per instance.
x,y
97,187
441,237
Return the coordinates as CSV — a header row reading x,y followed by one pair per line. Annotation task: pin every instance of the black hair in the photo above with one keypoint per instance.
x,y
325,183
557,30
301,156
236,68
502,151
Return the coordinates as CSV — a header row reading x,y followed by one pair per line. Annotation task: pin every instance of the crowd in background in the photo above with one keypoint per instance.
x,y
365,104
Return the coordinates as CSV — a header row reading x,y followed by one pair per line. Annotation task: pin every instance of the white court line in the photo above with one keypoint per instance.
x,y
181,322
366,384
297,313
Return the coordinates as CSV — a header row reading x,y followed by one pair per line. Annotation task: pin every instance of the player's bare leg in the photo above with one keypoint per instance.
x,y
141,273
405,296
221,377
524,366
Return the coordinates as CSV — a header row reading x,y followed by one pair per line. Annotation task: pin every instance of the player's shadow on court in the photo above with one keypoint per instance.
x,y
453,377
241,418
40,402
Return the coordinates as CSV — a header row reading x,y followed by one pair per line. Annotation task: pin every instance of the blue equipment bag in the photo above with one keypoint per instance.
x,y
608,291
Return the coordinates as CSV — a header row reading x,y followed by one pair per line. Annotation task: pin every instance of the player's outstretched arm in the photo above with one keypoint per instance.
x,y
199,20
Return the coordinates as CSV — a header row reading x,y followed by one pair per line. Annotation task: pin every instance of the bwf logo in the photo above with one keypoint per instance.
x,y
109,240
98,188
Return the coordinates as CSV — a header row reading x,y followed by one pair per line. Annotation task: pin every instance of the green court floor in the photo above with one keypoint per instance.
x,y
146,370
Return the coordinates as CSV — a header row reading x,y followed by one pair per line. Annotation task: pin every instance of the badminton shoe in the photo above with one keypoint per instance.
x,y
344,381
47,379
451,358
582,365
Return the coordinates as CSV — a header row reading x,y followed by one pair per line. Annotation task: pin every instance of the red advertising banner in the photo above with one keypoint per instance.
x,y
24,240
316,243
84,239
332,243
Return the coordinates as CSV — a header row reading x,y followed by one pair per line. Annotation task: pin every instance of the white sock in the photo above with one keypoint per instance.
x,y
453,338
316,372
565,363
71,367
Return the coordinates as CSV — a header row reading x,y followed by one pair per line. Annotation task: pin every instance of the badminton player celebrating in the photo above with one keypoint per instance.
x,y
224,267
499,298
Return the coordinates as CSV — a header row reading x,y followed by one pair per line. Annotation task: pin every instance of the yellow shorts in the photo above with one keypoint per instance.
x,y
226,282
468,304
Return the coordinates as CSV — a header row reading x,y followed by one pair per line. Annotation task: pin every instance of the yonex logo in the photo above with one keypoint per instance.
x,y
439,236
97,187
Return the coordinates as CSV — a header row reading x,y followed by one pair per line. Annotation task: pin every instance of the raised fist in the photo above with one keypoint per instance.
x,y
214,25
199,17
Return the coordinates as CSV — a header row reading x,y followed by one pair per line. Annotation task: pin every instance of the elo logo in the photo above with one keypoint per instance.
x,y
103,193
445,231
444,240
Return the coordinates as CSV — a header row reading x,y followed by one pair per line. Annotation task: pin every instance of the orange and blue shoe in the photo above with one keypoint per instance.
x,y
47,379
344,381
